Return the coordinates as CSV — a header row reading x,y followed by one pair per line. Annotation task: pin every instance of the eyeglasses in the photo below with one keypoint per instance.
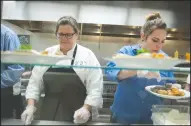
x,y
68,36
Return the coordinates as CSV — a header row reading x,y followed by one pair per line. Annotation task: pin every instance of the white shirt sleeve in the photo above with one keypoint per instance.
x,y
94,84
35,84
188,79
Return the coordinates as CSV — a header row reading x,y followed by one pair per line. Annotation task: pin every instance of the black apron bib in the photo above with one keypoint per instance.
x,y
64,94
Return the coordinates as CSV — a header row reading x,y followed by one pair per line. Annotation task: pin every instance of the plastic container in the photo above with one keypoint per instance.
x,y
176,54
187,56
170,115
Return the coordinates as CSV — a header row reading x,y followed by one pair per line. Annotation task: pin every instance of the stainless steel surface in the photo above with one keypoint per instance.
x,y
43,122
94,29
184,101
176,12
108,96
181,69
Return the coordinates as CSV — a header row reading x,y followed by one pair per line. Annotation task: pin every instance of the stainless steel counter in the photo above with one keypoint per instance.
x,y
44,122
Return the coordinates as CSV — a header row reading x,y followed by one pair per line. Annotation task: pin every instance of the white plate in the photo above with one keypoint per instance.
x,y
32,59
187,93
146,63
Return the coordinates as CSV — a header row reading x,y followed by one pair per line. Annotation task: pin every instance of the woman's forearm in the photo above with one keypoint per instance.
x,y
31,102
123,74
88,107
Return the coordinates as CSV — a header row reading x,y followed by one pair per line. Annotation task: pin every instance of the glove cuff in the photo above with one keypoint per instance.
x,y
31,107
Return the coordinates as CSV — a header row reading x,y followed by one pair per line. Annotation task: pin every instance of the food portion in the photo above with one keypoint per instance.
x,y
26,52
44,53
59,53
142,55
31,52
168,90
152,55
158,55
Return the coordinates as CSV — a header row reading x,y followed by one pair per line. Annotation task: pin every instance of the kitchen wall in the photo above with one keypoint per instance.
x,y
101,46
175,13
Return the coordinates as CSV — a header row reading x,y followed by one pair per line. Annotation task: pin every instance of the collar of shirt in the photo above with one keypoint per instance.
x,y
69,53
135,48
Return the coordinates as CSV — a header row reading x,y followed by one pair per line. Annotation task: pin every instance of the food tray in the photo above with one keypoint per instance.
x,y
146,63
160,115
31,59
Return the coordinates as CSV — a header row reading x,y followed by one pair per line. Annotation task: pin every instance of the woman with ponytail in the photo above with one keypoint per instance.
x,y
132,104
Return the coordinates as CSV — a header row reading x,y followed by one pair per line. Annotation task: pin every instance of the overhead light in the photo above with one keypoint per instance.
x,y
169,35
134,27
98,31
9,2
173,29
131,33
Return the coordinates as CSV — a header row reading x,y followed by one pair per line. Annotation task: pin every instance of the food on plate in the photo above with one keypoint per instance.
x,y
23,51
144,55
27,52
182,93
158,55
169,93
164,92
32,52
151,55
177,92
168,90
44,53
58,53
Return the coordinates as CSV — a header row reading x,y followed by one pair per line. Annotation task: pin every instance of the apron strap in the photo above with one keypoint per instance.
x,y
74,55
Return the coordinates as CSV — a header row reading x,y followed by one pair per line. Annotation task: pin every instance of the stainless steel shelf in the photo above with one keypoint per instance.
x,y
96,29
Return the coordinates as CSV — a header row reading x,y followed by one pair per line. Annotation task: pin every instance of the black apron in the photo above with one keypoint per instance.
x,y
64,94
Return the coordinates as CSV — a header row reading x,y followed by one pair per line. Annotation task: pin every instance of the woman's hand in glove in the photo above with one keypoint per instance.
x,y
149,75
28,115
81,115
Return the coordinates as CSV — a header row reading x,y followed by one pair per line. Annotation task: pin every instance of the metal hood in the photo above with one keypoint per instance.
x,y
131,13
96,29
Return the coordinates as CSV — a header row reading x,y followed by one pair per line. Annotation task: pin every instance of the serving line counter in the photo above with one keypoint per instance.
x,y
45,122
110,90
